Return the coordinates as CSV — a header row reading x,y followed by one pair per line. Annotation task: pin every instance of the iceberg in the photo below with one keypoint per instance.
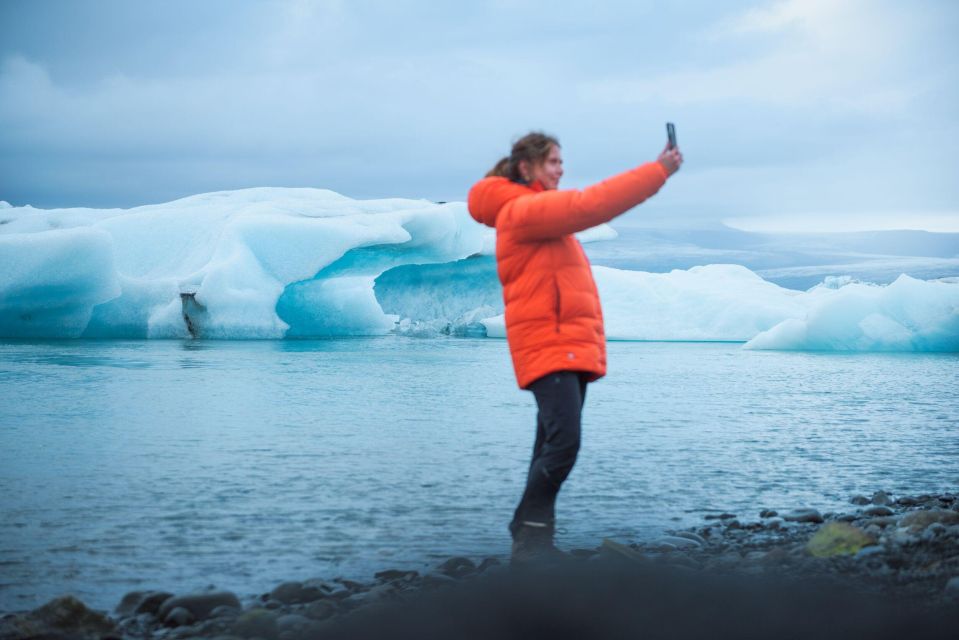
x,y
270,263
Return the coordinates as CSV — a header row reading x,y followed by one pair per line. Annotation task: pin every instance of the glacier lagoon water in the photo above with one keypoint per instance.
x,y
178,464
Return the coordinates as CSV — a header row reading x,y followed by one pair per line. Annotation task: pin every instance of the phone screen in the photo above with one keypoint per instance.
x,y
671,133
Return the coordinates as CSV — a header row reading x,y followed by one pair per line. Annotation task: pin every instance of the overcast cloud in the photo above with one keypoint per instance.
x,y
808,109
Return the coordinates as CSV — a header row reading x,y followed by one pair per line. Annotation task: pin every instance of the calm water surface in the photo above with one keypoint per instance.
x,y
176,465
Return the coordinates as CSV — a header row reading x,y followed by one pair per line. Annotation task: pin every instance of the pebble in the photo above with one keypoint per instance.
x,y
803,515
860,500
721,516
200,605
320,610
178,617
868,552
681,542
768,513
457,567
137,602
692,536
775,524
878,510
919,520
255,623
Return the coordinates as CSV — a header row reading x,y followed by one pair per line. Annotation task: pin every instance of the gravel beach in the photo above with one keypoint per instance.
x,y
886,567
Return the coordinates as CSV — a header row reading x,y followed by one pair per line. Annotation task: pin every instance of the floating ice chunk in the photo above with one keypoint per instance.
x,y
907,315
121,273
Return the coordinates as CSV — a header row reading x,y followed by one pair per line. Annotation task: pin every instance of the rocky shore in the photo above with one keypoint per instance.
x,y
887,567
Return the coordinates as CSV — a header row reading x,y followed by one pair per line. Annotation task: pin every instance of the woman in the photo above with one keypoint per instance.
x,y
554,324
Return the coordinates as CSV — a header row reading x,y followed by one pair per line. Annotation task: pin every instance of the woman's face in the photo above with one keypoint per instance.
x,y
550,170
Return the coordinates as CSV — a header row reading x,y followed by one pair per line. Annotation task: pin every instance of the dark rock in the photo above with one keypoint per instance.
x,y
70,615
878,510
681,542
883,521
351,585
933,531
493,562
224,611
847,517
395,574
297,593
199,604
457,567
137,602
881,498
256,623
774,524
733,524
692,536
803,515
907,501
320,610
768,513
869,552
721,516
860,500
434,580
292,622
178,617
918,520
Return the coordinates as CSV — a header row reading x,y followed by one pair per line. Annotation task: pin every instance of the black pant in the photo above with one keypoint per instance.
x,y
559,397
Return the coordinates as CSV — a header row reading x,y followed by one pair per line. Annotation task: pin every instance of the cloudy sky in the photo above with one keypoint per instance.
x,y
791,113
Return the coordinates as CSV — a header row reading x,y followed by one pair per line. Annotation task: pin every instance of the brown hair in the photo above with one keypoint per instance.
x,y
533,148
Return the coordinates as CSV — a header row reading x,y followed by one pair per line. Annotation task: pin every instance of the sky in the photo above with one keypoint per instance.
x,y
798,114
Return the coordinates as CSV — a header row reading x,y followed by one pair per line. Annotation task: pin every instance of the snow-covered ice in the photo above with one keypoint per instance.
x,y
275,263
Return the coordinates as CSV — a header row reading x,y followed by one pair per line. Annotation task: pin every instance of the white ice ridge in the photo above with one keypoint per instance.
x,y
275,263
233,256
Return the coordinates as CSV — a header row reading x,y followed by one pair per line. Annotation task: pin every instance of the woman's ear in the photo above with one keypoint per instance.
x,y
524,172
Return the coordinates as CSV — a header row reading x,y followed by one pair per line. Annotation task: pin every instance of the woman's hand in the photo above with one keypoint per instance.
x,y
671,159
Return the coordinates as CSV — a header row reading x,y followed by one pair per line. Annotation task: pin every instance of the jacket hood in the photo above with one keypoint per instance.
x,y
489,195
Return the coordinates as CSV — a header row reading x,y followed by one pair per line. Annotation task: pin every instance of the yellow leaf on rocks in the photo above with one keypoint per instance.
x,y
836,539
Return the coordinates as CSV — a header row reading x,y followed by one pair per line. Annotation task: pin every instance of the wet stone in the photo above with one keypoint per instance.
x,y
137,602
395,574
70,615
199,604
296,593
681,542
691,536
803,515
881,498
178,617
457,567
768,513
878,510
775,524
860,500
919,520
256,623
320,610
721,516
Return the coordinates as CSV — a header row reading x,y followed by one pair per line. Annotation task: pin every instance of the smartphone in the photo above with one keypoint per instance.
x,y
671,133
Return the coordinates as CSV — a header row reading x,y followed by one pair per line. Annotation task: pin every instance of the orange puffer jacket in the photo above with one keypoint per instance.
x,y
553,316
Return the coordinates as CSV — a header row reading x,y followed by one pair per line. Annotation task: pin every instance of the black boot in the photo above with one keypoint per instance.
x,y
533,542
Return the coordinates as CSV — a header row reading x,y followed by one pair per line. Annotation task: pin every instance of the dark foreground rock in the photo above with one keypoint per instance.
x,y
889,568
